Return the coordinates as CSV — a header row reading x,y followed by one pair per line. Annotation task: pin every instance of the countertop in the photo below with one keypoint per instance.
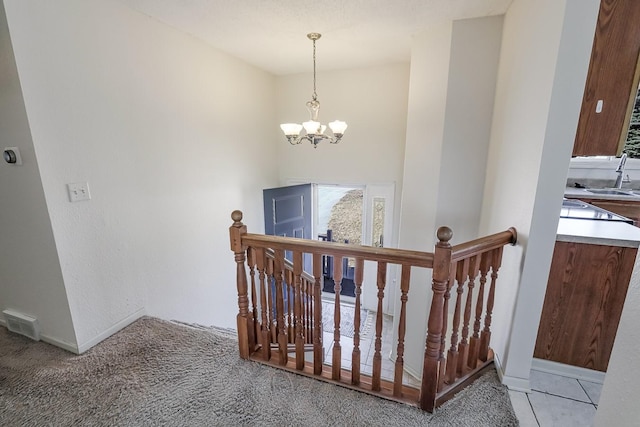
x,y
609,233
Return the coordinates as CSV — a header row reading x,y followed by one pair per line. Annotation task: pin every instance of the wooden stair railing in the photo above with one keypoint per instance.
x,y
279,321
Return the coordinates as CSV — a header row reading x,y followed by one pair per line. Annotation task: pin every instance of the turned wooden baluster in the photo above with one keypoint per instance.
x,y
318,358
405,277
377,356
355,356
474,344
271,280
265,339
463,348
452,355
280,318
305,311
441,266
253,313
288,288
485,337
336,360
299,339
445,324
309,298
242,319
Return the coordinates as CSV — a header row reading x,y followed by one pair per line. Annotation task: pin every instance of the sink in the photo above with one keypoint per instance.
x,y
612,192
570,203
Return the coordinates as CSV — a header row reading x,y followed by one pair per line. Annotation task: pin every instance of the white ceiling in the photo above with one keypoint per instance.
x,y
271,34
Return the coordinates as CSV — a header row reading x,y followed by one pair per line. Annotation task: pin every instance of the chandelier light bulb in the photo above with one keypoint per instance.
x,y
337,127
291,129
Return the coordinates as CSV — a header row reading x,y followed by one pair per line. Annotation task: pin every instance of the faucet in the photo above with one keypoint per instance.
x,y
620,172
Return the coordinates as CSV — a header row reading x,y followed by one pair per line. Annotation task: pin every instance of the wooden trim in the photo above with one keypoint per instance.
x,y
409,394
463,382
632,102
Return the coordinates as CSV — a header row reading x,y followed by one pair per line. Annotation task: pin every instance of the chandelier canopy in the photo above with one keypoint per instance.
x,y
314,130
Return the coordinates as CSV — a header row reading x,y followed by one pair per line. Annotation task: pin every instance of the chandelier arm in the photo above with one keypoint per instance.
x,y
295,140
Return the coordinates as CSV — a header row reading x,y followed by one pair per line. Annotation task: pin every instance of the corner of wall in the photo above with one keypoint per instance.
x,y
513,383
110,331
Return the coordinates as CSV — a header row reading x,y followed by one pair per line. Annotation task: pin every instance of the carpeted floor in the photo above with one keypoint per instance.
x,y
162,373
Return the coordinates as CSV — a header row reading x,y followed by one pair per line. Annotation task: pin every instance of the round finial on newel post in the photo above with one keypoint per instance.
x,y
236,216
444,234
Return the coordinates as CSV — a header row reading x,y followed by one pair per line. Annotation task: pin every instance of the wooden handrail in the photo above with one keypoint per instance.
x,y
394,256
289,265
484,244
280,309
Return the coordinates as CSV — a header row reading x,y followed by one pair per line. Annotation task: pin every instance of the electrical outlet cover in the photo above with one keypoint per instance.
x,y
78,191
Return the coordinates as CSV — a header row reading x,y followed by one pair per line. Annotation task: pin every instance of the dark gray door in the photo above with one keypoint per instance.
x,y
287,212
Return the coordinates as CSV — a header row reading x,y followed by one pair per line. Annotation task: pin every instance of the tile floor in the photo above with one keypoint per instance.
x,y
556,401
367,349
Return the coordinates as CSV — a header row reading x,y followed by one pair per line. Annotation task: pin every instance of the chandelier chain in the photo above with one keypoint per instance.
x,y
315,95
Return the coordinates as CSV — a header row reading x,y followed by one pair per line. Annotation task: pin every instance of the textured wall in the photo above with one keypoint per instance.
x,y
30,275
171,135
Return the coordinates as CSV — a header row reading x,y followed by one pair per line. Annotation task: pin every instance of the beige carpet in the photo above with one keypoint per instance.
x,y
161,373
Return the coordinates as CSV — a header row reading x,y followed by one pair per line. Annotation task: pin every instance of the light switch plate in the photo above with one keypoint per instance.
x,y
78,191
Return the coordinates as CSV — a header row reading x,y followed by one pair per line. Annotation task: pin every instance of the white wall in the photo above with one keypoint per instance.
x,y
473,68
545,54
618,405
30,276
452,89
430,53
170,134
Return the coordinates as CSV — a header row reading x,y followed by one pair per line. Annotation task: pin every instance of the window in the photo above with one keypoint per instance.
x,y
632,145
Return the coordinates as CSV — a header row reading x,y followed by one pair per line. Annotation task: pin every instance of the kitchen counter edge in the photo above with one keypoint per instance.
x,y
607,233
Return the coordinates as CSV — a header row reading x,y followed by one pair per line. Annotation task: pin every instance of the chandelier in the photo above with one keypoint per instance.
x,y
314,130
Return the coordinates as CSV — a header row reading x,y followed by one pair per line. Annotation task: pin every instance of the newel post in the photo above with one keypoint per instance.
x,y
235,233
441,266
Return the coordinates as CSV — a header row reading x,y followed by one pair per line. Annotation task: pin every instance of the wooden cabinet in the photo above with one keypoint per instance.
x,y
585,294
612,80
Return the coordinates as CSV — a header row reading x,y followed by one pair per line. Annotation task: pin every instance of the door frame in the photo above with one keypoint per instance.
x,y
371,191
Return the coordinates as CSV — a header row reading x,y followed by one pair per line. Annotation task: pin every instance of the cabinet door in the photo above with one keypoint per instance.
x,y
611,80
585,294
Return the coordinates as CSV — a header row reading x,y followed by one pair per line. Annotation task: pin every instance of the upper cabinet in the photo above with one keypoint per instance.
x,y
612,80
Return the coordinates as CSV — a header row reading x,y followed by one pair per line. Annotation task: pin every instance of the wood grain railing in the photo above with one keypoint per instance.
x,y
280,310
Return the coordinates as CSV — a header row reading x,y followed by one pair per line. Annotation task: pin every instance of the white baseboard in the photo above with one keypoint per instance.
x,y
51,340
567,370
73,348
412,372
112,330
514,383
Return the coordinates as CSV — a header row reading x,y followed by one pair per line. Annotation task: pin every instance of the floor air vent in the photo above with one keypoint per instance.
x,y
22,324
